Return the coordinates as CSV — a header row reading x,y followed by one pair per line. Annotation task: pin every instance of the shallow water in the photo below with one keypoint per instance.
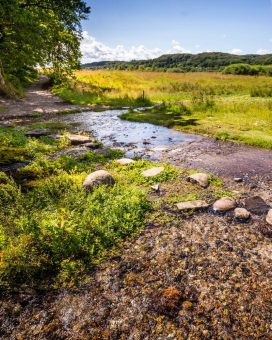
x,y
137,139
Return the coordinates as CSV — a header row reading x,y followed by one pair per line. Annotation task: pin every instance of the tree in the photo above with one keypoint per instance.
x,y
38,32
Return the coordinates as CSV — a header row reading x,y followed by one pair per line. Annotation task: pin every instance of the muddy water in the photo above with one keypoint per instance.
x,y
137,139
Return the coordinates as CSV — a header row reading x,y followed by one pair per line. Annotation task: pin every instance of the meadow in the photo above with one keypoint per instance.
x,y
228,107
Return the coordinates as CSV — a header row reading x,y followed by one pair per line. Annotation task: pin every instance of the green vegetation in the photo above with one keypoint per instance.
x,y
227,107
51,230
38,33
207,61
78,93
16,147
57,230
251,70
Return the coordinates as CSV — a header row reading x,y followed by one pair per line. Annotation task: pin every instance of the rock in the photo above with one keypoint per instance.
x,y
153,172
200,178
256,205
125,161
38,133
269,217
238,179
156,187
224,204
79,139
100,177
102,151
192,205
92,145
241,214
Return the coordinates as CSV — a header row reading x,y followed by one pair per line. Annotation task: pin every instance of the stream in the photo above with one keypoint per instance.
x,y
136,139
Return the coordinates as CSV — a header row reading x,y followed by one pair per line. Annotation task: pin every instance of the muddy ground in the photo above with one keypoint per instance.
x,y
186,276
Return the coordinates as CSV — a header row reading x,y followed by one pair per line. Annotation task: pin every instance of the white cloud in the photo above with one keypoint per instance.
x,y
262,51
177,48
93,50
236,51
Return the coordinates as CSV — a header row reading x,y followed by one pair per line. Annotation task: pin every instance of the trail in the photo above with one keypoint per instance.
x,y
37,99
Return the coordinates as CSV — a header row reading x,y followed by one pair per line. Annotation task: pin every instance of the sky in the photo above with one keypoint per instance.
x,y
144,29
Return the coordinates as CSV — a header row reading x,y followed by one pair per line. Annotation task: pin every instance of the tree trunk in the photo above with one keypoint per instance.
x,y
5,87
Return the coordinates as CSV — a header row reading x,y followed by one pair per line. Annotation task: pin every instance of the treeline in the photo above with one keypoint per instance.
x,y
208,61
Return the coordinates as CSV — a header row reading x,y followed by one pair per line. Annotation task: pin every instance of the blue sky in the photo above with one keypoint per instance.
x,y
124,30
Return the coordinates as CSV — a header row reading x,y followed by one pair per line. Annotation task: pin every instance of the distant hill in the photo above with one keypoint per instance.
x,y
208,61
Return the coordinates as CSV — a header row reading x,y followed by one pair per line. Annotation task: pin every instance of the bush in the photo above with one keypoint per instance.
x,y
245,69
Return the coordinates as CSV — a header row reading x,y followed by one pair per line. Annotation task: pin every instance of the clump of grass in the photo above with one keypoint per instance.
x,y
134,171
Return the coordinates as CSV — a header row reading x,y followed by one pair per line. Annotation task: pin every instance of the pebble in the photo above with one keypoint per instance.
x,y
238,179
156,187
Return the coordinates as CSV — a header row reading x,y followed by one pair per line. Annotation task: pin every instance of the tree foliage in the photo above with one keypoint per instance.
x,y
38,32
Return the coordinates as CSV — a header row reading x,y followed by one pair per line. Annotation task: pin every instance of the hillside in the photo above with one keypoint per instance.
x,y
207,61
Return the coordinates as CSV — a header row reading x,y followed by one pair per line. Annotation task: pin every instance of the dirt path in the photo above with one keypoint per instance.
x,y
38,99
223,158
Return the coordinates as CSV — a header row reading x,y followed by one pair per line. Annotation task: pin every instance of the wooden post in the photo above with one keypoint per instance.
x,y
143,95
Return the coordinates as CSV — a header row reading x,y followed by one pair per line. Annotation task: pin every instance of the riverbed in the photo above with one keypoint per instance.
x,y
136,139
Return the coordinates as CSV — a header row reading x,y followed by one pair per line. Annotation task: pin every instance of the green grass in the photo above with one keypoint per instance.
x,y
226,107
245,121
16,147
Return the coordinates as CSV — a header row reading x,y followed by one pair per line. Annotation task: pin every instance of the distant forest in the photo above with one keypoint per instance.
x,y
208,61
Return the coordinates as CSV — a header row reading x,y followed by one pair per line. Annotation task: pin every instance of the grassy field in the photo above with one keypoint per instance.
x,y
227,107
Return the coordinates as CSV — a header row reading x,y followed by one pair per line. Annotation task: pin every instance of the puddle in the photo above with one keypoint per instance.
x,y
136,139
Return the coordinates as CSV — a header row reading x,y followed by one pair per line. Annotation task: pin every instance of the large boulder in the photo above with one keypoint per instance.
x,y
153,171
97,178
224,204
200,179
